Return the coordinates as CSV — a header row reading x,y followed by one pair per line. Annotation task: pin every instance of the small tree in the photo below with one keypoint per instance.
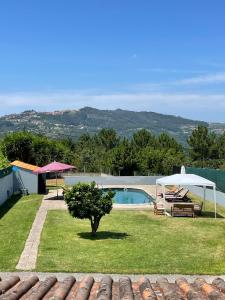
x,y
87,201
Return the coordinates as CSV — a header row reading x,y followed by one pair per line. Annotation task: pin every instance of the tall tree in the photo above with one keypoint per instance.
x,y
33,149
108,138
143,138
123,159
200,142
18,146
221,146
168,142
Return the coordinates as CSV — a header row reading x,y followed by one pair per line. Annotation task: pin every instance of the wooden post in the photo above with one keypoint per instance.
x,y
57,185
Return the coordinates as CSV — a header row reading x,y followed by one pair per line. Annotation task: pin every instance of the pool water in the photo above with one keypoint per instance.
x,y
130,196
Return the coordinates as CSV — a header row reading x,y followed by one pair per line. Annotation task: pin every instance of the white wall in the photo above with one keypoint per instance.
x,y
112,180
25,179
6,187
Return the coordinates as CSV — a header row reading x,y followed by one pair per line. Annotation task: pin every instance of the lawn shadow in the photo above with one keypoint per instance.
x,y
55,198
211,214
8,204
104,235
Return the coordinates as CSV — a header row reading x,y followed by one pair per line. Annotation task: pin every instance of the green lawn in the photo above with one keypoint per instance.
x,y
134,242
16,218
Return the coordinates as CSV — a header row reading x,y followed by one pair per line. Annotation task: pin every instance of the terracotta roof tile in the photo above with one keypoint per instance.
x,y
23,165
87,289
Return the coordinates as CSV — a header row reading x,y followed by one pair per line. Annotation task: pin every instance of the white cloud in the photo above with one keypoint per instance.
x,y
175,71
205,79
196,81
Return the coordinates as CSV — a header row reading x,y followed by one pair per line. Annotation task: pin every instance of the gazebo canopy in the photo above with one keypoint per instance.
x,y
185,179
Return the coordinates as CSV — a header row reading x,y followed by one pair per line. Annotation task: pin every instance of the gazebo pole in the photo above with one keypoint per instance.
x,y
164,197
214,194
204,188
156,191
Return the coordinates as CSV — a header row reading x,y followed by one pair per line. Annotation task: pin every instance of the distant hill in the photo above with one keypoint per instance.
x,y
73,123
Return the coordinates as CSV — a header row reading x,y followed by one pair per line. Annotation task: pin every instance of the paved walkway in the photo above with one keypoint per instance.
x,y
28,257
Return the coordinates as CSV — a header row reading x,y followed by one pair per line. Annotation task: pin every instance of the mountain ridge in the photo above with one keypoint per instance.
x,y
72,122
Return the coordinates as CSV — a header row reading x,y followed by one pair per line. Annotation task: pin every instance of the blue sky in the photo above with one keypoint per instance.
x,y
154,55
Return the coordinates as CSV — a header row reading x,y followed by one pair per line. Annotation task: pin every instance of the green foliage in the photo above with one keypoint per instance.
x,y
206,148
18,146
45,150
123,159
87,201
167,142
33,149
221,146
201,143
145,153
3,161
88,154
159,161
107,138
143,138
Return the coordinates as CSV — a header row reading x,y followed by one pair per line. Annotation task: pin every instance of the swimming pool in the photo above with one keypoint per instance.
x,y
130,196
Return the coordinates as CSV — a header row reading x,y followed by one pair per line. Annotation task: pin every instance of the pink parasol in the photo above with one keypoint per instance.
x,y
54,167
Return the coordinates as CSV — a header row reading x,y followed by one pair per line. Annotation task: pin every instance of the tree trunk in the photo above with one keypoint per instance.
x,y
94,225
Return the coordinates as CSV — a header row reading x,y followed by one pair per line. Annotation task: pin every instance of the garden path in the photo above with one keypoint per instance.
x,y
28,257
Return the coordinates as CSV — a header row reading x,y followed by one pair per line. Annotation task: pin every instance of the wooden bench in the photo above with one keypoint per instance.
x,y
183,210
159,208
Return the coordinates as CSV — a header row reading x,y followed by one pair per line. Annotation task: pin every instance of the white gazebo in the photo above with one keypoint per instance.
x,y
186,180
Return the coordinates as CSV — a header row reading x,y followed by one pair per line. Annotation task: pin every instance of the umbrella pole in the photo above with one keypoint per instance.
x,y
57,185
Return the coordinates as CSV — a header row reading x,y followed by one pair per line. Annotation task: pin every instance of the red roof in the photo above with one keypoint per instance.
x,y
88,289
